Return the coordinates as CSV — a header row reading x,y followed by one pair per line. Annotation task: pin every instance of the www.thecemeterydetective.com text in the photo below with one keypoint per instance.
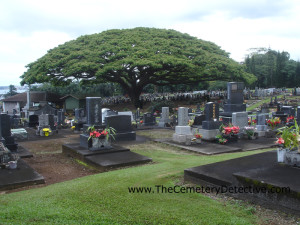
x,y
201,189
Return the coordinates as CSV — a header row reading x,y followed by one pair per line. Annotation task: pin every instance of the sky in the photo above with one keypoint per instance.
x,y
29,28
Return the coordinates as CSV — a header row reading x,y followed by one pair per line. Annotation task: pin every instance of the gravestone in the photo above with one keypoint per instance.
x,y
93,117
288,110
198,110
211,124
60,118
211,113
128,113
298,115
123,127
6,133
183,117
183,133
108,113
33,120
235,99
149,119
164,117
46,121
261,125
80,115
199,120
240,119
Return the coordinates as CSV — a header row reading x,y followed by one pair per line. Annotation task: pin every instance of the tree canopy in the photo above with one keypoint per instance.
x,y
134,58
273,68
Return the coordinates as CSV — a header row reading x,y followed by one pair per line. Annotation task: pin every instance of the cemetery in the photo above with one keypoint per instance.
x,y
231,143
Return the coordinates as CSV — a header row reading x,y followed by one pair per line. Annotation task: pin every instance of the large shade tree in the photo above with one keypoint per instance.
x,y
134,58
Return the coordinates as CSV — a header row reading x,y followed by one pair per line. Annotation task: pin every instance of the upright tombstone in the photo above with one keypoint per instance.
x,y
94,118
123,127
211,124
33,120
60,117
261,125
165,117
235,99
288,110
298,115
211,113
6,133
149,119
183,132
46,121
240,119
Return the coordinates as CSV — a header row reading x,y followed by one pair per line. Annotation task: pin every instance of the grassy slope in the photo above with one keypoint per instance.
x,y
104,199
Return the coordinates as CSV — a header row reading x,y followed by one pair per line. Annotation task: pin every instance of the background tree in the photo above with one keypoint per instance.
x,y
135,58
11,92
272,68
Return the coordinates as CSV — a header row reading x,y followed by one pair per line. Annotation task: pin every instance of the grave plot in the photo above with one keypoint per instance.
x,y
258,178
14,172
95,143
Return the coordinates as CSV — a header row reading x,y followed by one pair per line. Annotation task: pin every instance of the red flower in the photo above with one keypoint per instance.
x,y
280,141
141,121
227,130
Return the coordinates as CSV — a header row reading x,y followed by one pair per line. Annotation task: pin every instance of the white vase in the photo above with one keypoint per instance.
x,y
12,164
281,155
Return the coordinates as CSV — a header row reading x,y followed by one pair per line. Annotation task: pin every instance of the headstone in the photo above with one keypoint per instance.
x,y
240,119
198,120
33,120
211,113
60,117
289,110
298,115
164,117
129,113
46,121
183,117
198,110
93,117
183,133
123,127
235,99
149,119
93,110
5,127
80,115
261,122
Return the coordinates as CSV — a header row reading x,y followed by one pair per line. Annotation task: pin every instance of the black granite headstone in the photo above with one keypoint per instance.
x,y
94,110
123,127
198,120
6,133
211,116
33,120
149,119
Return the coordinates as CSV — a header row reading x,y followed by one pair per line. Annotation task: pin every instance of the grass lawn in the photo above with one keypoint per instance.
x,y
104,198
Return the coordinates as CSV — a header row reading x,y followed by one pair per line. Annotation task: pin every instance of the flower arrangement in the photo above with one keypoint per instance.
x,y
221,140
230,130
46,131
141,121
273,122
198,136
101,133
289,137
288,119
249,131
191,122
251,122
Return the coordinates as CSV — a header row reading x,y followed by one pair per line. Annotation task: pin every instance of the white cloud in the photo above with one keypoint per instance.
x,y
29,28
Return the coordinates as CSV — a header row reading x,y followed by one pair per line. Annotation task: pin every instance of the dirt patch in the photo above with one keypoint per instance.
x,y
49,161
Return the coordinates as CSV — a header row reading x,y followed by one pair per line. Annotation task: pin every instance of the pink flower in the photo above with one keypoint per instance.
x,y
280,141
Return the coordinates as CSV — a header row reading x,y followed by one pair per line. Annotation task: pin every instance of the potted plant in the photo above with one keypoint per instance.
x,y
250,132
100,138
230,132
221,140
198,138
46,131
288,141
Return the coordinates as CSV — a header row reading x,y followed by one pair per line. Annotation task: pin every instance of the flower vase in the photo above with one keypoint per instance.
x,y
281,154
198,141
100,143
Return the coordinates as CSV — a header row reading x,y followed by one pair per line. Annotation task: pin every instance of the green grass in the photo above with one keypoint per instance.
x,y
104,198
